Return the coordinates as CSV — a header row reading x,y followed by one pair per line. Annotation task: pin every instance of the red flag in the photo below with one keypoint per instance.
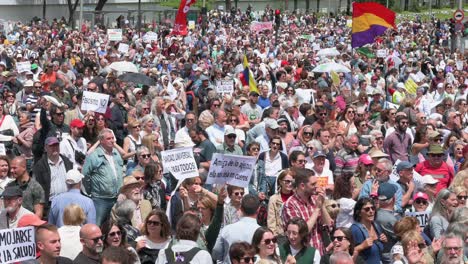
x,y
180,24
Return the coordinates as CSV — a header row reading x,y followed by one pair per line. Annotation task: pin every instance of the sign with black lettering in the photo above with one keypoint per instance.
x,y
96,102
180,162
17,244
423,217
231,169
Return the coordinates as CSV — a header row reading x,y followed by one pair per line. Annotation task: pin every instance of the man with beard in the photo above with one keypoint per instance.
x,y
12,200
452,250
92,240
286,137
398,143
74,146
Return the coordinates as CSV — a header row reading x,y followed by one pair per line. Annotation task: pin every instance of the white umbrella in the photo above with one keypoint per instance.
x,y
328,52
123,66
331,66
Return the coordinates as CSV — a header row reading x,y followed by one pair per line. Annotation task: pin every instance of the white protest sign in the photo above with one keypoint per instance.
x,y
423,217
260,26
17,244
191,24
96,102
417,178
231,169
123,48
225,87
2,149
180,162
114,34
23,66
381,53
150,36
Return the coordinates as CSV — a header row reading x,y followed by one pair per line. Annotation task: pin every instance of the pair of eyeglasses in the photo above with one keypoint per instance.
x,y
216,105
239,193
421,201
462,197
334,205
145,156
137,127
232,136
153,223
288,182
254,149
339,238
96,239
302,161
270,241
323,114
59,114
308,133
367,209
276,143
247,259
233,120
351,112
139,178
436,155
116,233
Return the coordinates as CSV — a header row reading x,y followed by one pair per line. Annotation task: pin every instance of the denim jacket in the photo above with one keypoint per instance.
x,y
99,180
373,254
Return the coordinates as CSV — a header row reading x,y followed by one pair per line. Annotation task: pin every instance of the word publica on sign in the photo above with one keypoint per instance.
x,y
231,163
229,175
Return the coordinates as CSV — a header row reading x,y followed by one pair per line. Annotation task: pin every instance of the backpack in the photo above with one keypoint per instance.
x,y
262,214
180,257
147,255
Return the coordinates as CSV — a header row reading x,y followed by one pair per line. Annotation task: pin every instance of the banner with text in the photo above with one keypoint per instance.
x,y
96,102
260,26
114,34
17,244
180,162
423,217
225,87
231,169
23,66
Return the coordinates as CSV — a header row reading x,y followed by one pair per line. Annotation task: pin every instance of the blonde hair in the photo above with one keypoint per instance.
x,y
73,215
333,212
459,179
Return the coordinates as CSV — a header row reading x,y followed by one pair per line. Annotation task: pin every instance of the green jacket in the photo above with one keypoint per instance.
x,y
305,256
99,179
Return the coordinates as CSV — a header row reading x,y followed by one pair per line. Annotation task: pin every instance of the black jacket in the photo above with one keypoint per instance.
x,y
41,172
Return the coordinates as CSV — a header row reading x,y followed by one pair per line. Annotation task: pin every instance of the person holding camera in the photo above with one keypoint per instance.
x,y
73,145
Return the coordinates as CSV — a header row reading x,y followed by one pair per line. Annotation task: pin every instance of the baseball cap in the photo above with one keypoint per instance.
x,y
28,83
229,131
404,165
51,141
319,153
374,77
270,123
401,85
12,191
386,191
377,91
420,195
429,179
435,149
77,123
365,159
34,66
30,220
73,177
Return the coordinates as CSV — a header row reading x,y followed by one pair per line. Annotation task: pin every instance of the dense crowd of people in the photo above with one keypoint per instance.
x,y
364,161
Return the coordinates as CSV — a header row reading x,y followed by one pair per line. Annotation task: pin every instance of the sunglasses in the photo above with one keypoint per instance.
x,y
216,105
100,119
436,155
116,233
239,193
367,209
270,241
351,112
323,114
153,223
139,178
308,133
379,138
59,114
145,156
302,161
462,197
339,238
275,143
137,127
288,182
334,205
254,149
96,239
247,259
231,136
421,201
233,120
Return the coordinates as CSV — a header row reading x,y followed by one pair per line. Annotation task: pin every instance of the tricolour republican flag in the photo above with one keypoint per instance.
x,y
248,76
369,21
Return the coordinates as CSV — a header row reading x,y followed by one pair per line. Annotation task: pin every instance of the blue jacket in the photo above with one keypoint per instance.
x,y
99,179
373,254
366,192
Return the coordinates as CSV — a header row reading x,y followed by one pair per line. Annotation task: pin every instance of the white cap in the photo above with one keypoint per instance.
x,y
74,177
428,179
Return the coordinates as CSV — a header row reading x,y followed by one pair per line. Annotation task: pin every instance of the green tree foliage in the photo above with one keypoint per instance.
x,y
210,4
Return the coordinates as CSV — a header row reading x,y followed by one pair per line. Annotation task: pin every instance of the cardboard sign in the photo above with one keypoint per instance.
x,y
322,182
123,48
180,162
150,36
23,66
225,87
423,217
114,34
17,244
2,149
260,26
96,102
381,53
231,169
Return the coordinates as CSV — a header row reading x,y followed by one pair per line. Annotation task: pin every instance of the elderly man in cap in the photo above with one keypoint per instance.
x,y
252,110
12,199
229,145
72,196
437,167
405,170
271,130
386,217
23,94
50,171
73,146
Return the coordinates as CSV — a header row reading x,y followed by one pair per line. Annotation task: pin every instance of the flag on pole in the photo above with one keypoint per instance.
x,y
248,76
180,23
369,21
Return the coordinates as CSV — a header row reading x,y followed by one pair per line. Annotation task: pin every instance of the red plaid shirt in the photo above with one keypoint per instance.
x,y
296,207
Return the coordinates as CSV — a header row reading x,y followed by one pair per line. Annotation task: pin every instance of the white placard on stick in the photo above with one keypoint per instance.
x,y
96,102
180,162
17,244
381,53
150,36
123,48
231,169
423,217
23,66
114,34
2,149
225,87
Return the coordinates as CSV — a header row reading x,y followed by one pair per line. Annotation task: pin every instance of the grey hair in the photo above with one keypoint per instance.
x,y
139,107
450,236
145,119
439,208
216,113
316,144
349,137
141,149
103,132
374,133
460,214
387,163
124,210
457,228
340,255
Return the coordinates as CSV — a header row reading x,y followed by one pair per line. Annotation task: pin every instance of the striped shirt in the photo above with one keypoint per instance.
x,y
58,176
32,99
346,162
